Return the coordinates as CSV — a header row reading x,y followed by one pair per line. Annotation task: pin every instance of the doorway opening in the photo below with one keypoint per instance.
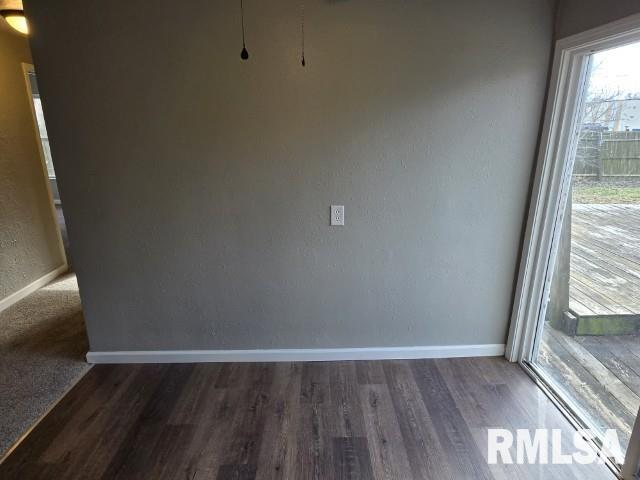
x,y
34,92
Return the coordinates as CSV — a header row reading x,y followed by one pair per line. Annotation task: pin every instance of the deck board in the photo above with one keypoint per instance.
x,y
600,374
579,384
605,259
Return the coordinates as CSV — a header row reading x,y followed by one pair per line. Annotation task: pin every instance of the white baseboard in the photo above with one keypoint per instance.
x,y
296,355
32,287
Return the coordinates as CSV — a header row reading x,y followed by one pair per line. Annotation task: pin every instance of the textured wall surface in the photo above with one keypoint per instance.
x,y
575,16
197,187
29,246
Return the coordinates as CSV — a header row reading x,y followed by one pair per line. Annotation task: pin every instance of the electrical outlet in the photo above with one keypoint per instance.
x,y
337,215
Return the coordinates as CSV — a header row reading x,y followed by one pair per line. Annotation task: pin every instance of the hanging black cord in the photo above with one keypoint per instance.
x,y
302,21
244,54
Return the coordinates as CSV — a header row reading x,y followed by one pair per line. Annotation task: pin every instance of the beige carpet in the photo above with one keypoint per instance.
x,y
42,348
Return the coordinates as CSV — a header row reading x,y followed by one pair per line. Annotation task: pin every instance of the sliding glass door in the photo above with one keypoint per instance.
x,y
588,343
576,321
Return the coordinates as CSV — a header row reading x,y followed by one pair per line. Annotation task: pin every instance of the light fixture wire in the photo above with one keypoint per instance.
x,y
244,54
302,31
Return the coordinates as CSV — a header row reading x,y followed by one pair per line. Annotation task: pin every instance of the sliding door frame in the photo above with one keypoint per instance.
x,y
553,173
558,143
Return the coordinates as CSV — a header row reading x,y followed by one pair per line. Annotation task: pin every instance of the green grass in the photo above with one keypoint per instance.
x,y
590,194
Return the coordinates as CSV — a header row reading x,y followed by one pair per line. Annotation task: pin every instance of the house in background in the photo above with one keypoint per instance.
x,y
616,115
626,116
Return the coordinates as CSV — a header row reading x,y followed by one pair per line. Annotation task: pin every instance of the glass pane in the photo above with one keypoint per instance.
x,y
44,138
42,128
590,343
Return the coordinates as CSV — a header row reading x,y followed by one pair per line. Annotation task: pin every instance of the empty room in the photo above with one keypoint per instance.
x,y
319,239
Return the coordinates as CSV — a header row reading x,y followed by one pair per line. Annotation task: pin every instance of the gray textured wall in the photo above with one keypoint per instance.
x,y
575,16
29,246
197,187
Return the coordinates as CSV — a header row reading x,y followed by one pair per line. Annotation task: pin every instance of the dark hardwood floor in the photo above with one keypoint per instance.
x,y
422,419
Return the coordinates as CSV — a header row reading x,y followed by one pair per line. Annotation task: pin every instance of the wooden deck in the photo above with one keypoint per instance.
x,y
602,373
605,260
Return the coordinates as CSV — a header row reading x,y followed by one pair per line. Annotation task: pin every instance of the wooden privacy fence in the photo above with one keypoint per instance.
x,y
608,154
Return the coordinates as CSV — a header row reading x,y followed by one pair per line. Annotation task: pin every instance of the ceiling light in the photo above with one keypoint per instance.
x,y
16,19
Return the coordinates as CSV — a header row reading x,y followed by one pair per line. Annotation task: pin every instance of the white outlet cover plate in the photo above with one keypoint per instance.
x,y
337,215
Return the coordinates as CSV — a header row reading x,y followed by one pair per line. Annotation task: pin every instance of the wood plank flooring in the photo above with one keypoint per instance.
x,y
421,419
605,260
